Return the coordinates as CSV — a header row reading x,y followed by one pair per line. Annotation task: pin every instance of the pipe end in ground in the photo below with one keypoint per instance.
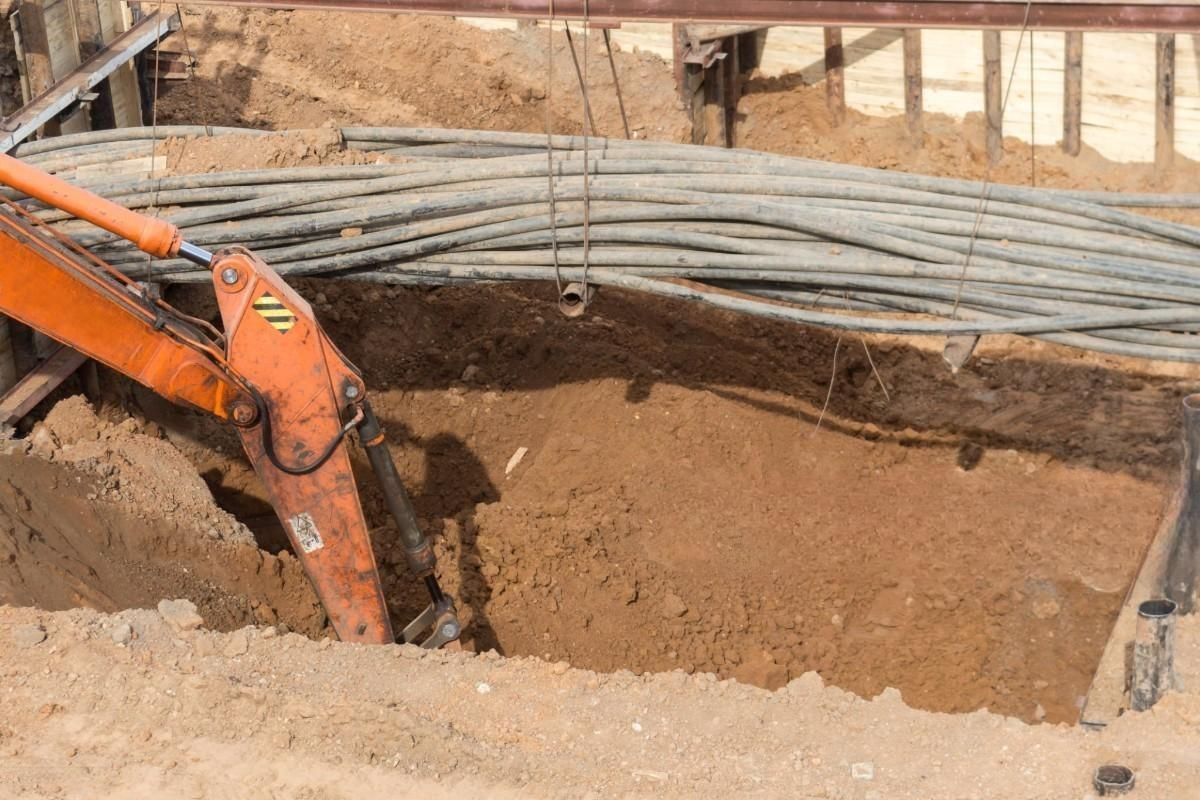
x,y
575,299
1158,608
1111,780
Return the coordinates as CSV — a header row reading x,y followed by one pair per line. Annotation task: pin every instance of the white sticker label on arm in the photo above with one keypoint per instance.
x,y
306,533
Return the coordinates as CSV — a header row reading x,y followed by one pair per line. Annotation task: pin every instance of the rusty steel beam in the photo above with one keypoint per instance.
x,y
1058,15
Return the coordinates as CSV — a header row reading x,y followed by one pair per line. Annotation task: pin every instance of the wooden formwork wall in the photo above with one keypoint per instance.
x,y
53,37
1130,96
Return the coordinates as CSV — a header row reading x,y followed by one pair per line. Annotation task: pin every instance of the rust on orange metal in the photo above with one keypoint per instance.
x,y
52,289
276,345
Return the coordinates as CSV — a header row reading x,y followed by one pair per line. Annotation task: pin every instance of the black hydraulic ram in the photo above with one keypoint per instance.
x,y
439,619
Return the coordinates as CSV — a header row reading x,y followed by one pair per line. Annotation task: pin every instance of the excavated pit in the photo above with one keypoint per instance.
x,y
966,538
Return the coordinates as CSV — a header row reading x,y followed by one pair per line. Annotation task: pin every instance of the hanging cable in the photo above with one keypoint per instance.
x,y
981,208
579,74
550,145
612,65
1032,117
584,295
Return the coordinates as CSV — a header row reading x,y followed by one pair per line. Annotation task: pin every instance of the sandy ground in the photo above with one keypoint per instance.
x,y
964,538
125,706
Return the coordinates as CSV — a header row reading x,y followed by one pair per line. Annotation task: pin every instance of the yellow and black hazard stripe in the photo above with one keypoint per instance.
x,y
275,313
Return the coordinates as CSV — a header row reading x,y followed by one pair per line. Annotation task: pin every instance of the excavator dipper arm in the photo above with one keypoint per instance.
x,y
274,374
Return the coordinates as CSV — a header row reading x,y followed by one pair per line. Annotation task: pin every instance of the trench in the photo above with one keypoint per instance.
x,y
687,498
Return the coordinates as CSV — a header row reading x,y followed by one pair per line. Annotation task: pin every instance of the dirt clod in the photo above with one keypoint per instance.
x,y
28,635
180,614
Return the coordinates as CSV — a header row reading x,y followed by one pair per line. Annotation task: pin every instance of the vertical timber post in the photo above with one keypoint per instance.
x,y
8,362
835,75
1072,92
1164,102
993,96
731,89
913,100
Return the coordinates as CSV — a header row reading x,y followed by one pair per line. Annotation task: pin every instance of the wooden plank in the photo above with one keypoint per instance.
x,y
731,69
36,46
8,364
706,33
38,384
1164,102
913,86
835,75
1072,93
124,94
993,100
679,43
35,114
62,37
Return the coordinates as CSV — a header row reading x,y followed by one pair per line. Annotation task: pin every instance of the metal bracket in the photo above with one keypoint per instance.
x,y
703,53
440,621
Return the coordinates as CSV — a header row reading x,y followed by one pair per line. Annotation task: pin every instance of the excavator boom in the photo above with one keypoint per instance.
x,y
273,373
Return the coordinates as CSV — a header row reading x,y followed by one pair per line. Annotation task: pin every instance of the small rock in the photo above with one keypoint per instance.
x,y
471,373
862,771
180,614
123,633
637,727
236,645
269,632
28,635
673,606
483,688
559,667
516,459
1045,608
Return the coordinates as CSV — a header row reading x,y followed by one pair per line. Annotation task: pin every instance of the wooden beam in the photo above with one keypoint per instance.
x,y
913,86
1164,102
121,51
731,90
38,384
704,33
993,96
1072,92
679,44
8,363
835,75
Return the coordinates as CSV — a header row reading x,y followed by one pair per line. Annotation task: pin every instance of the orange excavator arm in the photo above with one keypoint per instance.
x,y
273,373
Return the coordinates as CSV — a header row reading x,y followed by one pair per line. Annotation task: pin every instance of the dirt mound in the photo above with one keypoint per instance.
x,y
783,115
304,69
94,513
303,148
279,69
144,474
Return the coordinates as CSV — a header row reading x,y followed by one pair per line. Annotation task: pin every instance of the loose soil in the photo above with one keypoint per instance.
x,y
305,69
255,714
700,493
965,538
